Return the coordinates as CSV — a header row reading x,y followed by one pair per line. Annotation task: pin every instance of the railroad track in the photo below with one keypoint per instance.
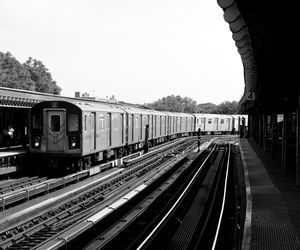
x,y
19,183
46,226
170,218
196,217
21,190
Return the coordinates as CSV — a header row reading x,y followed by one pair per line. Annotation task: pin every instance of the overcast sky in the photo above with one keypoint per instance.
x,y
139,51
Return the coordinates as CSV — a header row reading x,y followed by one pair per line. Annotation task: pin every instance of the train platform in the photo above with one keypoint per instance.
x,y
273,202
10,160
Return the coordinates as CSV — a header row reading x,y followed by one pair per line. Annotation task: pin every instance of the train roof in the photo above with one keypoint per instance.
x,y
180,114
135,110
25,98
82,105
212,115
92,106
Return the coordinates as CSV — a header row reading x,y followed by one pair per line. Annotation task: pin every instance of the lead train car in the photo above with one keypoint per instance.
x,y
74,135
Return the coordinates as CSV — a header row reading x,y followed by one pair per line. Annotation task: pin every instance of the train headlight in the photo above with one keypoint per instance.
x,y
37,141
73,142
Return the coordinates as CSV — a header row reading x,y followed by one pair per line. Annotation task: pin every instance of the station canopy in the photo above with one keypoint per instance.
x,y
265,34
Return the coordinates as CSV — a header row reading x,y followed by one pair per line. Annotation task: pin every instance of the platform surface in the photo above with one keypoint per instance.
x,y
275,202
12,152
7,157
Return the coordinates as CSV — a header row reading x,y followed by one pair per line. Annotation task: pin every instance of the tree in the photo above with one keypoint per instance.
x,y
32,75
227,107
207,108
188,105
13,74
42,78
174,104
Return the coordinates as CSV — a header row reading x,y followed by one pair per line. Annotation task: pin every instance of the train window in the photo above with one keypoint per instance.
x,y
202,120
209,121
101,122
37,121
113,121
55,123
136,122
90,122
222,121
215,120
73,123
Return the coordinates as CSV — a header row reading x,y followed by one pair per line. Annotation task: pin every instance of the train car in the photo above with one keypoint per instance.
x,y
159,126
75,134
136,121
187,124
208,123
215,123
179,124
172,122
224,124
199,121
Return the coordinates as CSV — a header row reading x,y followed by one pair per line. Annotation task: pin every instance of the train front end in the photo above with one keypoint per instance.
x,y
55,136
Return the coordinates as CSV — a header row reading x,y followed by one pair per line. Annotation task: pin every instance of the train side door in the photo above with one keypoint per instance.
x,y
109,129
203,123
93,130
56,130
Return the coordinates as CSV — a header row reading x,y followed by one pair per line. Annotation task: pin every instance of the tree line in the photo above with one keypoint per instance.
x,y
31,75
188,105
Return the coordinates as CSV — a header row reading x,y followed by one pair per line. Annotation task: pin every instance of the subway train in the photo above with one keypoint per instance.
x,y
78,134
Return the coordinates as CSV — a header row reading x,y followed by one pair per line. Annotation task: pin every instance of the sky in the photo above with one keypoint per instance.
x,y
136,50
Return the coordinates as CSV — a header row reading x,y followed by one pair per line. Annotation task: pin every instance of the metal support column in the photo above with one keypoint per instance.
x,y
265,134
256,128
260,130
284,141
274,135
251,126
298,142
254,125
239,126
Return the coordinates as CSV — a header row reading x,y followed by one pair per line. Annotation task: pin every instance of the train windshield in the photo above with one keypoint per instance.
x,y
55,123
73,123
37,121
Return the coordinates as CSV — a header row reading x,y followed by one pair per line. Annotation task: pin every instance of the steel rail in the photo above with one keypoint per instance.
x,y
223,200
175,204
